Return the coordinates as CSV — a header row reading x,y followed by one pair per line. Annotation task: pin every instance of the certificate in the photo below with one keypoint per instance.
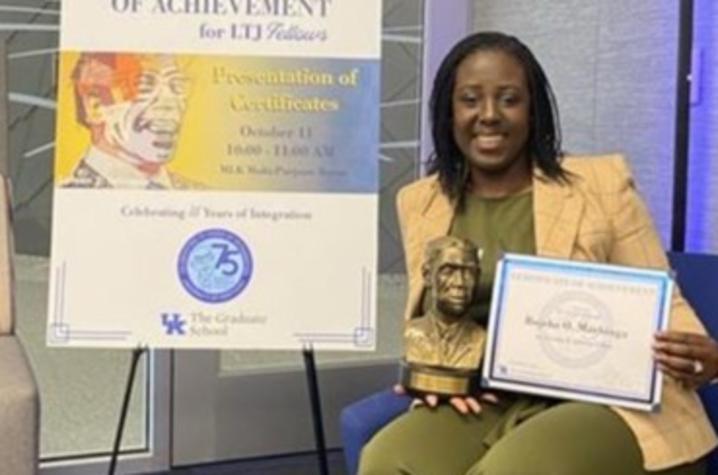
x,y
574,330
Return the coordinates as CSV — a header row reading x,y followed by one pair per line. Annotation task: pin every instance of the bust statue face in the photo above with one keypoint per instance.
x,y
443,346
453,274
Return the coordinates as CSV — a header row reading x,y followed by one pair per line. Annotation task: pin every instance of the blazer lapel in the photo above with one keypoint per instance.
x,y
436,215
557,213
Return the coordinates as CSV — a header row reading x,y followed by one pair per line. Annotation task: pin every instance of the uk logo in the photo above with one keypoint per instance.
x,y
174,324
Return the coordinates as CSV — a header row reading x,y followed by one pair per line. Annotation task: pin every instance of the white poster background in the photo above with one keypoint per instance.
x,y
352,27
306,286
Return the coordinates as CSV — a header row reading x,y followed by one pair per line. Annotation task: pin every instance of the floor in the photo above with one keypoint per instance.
x,y
304,464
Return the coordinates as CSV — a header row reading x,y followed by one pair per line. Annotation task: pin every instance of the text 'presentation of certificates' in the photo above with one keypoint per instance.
x,y
216,174
575,330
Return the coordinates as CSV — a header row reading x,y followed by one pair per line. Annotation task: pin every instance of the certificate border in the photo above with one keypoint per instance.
x,y
665,287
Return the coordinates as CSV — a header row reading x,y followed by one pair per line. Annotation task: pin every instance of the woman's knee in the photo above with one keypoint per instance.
x,y
379,458
504,462
426,442
568,439
498,463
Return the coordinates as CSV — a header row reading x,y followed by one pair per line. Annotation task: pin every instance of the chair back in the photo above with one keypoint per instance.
x,y
7,300
697,276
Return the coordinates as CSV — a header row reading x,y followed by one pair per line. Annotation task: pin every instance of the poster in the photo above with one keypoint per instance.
x,y
216,174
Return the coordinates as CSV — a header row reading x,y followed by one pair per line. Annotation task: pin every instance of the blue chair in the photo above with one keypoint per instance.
x,y
697,275
362,419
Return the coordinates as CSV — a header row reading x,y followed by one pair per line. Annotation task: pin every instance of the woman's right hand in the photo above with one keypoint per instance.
x,y
463,405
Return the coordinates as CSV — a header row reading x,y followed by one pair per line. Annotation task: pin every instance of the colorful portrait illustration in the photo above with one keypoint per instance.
x,y
133,107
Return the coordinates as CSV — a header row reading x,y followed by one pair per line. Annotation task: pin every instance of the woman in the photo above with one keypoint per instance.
x,y
499,179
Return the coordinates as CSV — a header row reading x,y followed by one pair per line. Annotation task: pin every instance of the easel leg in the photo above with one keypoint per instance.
x,y
136,354
311,372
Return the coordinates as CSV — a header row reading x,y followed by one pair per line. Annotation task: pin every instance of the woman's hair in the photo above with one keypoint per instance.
x,y
544,140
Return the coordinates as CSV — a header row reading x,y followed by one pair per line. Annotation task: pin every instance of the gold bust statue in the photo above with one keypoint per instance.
x,y
444,346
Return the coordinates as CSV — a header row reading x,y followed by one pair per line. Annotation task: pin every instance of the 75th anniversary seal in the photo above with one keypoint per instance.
x,y
215,265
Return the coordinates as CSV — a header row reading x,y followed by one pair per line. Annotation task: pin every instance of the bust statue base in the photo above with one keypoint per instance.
x,y
439,380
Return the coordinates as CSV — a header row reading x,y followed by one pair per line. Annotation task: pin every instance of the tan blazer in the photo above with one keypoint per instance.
x,y
598,217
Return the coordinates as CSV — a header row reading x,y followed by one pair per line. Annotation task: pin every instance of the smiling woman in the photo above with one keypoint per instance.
x,y
493,104
491,120
498,178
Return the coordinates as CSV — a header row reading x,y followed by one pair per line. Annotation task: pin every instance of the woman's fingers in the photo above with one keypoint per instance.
x,y
691,358
685,338
687,345
463,405
473,404
490,397
459,404
430,400
678,364
682,348
686,380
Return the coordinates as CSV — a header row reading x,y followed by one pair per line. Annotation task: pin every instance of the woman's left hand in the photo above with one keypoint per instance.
x,y
690,358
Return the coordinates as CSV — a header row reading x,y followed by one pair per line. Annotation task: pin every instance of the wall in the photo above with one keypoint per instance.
x,y
31,59
702,235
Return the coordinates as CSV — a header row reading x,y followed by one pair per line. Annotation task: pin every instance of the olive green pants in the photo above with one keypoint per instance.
x,y
566,439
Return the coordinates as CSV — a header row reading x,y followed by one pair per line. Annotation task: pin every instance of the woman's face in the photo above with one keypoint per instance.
x,y
491,109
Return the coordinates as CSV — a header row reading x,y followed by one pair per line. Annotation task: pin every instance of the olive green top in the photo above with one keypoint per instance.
x,y
496,226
